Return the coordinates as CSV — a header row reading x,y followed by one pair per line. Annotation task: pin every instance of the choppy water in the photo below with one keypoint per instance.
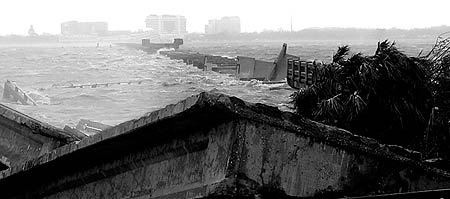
x,y
43,71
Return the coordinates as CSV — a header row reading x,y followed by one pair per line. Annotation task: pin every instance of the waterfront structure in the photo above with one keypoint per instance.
x,y
223,25
244,68
243,150
167,24
84,28
150,47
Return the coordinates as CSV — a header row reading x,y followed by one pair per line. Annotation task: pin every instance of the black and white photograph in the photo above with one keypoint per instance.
x,y
224,99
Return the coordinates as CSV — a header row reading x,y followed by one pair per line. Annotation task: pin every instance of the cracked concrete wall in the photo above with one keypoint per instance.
x,y
267,155
212,144
175,173
301,166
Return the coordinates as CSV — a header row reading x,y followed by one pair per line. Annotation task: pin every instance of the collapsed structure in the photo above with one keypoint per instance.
x,y
12,92
244,68
206,146
23,138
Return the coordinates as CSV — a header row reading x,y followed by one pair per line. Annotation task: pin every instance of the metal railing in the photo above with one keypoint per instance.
x,y
301,74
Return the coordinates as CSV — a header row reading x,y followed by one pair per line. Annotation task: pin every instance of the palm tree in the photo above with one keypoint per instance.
x,y
386,96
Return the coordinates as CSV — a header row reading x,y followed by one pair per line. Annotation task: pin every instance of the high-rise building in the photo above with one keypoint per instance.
x,y
84,28
167,24
223,25
211,27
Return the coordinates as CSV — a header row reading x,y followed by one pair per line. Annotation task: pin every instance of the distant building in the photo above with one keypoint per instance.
x,y
84,28
167,24
211,27
31,32
223,25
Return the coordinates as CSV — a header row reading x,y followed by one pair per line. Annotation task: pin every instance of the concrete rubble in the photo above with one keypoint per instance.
x,y
12,92
211,146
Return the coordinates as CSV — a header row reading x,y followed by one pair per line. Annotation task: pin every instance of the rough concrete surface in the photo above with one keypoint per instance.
x,y
216,146
23,138
180,170
301,166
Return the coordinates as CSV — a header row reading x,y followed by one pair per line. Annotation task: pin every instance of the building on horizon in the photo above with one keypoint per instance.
x,y
167,24
31,32
231,24
84,28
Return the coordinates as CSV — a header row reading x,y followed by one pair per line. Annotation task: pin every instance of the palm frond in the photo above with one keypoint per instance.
x,y
341,53
329,109
372,94
354,105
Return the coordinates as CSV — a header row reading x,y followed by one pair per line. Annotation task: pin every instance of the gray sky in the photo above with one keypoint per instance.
x,y
46,15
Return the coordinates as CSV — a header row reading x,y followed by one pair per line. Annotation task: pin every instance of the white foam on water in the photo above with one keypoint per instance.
x,y
52,70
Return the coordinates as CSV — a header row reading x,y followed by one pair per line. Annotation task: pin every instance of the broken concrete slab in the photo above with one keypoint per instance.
x,y
210,145
244,68
78,134
90,128
13,93
23,138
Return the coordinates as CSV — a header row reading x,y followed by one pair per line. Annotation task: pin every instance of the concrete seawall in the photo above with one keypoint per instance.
x,y
244,68
212,145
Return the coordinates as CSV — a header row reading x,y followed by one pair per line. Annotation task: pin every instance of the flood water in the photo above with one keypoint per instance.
x,y
45,72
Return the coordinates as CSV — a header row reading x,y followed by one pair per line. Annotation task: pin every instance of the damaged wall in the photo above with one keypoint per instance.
x,y
23,138
303,166
246,66
213,145
179,169
263,69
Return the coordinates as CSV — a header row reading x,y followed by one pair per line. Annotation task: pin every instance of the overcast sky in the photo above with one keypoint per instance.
x,y
46,15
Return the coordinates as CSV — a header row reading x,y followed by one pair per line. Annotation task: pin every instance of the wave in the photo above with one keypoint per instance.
x,y
252,83
115,60
172,79
164,50
64,84
167,84
83,98
39,97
